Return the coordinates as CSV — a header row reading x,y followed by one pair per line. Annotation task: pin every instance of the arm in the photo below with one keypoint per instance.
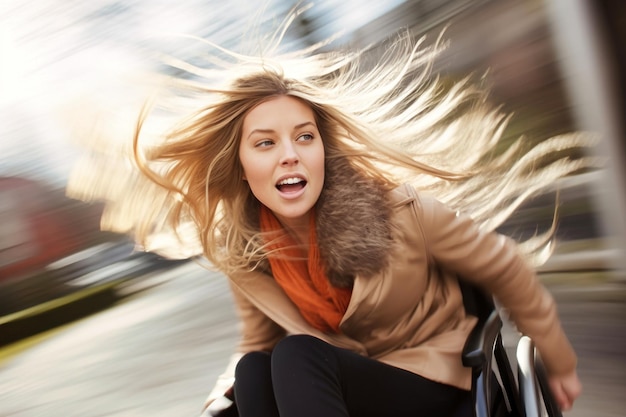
x,y
258,333
494,263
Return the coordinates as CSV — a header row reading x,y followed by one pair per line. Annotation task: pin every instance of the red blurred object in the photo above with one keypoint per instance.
x,y
39,226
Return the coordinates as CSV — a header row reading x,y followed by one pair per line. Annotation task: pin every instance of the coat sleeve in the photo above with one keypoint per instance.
x,y
494,263
258,332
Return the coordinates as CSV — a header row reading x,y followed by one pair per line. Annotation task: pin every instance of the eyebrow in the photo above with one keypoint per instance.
x,y
296,127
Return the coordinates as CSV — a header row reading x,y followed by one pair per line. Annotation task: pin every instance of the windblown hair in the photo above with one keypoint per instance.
x,y
392,121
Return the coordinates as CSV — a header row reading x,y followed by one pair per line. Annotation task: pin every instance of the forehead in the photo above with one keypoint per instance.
x,y
281,110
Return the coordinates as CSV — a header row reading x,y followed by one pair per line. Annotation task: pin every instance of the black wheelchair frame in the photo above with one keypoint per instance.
x,y
495,390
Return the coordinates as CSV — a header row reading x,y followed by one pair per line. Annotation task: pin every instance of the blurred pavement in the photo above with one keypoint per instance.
x,y
158,352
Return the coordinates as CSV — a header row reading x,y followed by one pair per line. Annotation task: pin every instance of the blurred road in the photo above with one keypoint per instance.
x,y
158,352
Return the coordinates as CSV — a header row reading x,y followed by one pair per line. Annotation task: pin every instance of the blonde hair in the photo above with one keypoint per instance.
x,y
392,119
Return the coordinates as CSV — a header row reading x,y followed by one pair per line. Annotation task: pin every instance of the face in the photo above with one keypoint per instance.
x,y
282,155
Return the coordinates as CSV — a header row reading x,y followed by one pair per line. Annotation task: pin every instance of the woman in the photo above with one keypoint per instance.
x,y
343,202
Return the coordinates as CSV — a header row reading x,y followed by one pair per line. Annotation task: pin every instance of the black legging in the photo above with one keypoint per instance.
x,y
305,376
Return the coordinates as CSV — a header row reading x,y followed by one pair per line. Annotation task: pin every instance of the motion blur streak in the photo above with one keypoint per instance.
x,y
73,77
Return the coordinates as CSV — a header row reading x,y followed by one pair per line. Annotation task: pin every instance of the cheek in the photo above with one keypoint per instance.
x,y
255,173
246,165
320,162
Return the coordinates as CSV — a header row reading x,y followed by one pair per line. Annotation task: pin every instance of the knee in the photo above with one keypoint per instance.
x,y
252,363
298,350
301,361
296,345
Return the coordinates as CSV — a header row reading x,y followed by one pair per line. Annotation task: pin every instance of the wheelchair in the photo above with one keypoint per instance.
x,y
496,392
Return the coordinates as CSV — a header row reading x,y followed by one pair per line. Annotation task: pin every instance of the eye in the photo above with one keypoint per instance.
x,y
305,137
264,143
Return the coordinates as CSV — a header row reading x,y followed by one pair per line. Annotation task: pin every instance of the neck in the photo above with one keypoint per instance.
x,y
298,228
299,231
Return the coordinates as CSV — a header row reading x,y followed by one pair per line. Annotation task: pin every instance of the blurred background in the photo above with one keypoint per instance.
x,y
92,326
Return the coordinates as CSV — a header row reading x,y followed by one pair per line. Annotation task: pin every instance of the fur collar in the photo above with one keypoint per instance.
x,y
353,223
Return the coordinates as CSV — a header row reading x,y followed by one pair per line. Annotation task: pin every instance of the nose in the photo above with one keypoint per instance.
x,y
289,154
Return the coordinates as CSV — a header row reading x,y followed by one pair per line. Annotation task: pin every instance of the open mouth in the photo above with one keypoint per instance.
x,y
289,185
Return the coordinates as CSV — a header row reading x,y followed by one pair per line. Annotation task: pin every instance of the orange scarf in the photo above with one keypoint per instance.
x,y
304,280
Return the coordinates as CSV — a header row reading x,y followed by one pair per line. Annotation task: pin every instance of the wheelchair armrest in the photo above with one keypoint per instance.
x,y
479,345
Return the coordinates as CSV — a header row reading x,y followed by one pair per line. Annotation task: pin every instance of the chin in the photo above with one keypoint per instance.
x,y
292,216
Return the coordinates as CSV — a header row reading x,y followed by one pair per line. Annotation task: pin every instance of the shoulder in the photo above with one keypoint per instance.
x,y
424,213
406,197
408,214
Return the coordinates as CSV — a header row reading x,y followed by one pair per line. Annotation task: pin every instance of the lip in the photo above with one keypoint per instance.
x,y
294,194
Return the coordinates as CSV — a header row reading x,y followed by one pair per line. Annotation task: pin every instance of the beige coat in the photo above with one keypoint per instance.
x,y
411,314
